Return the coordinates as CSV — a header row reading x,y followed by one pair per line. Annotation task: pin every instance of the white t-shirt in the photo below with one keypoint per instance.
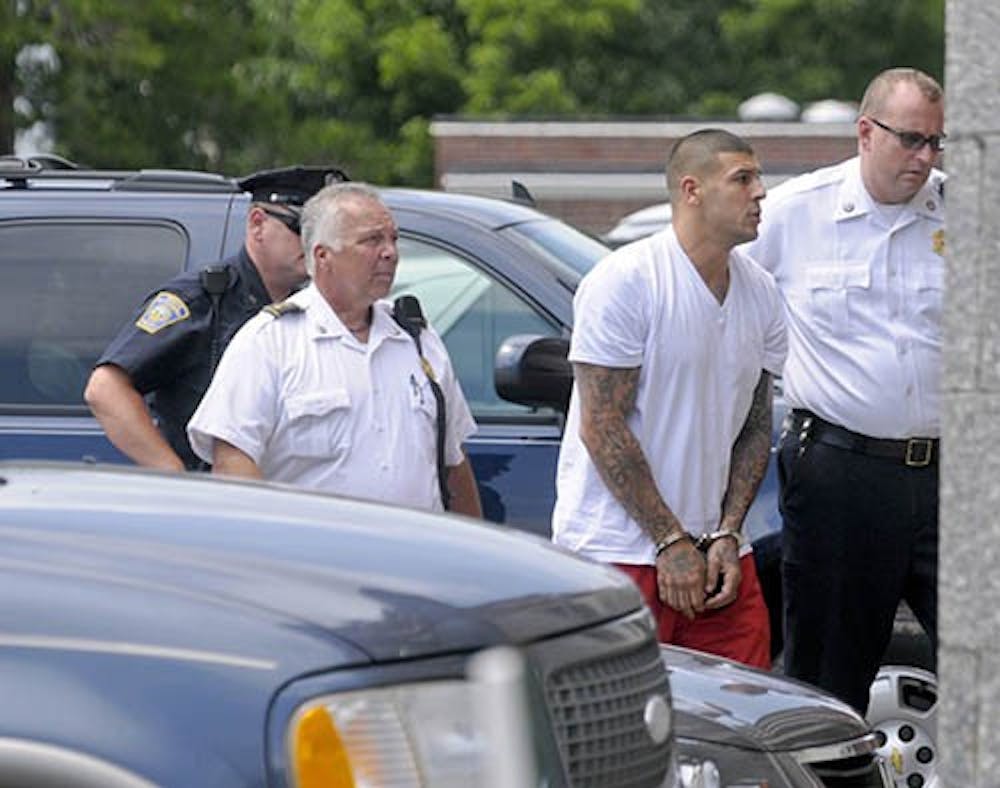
x,y
314,407
646,306
863,288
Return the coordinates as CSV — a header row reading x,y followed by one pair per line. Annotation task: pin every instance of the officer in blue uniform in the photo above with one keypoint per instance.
x,y
151,377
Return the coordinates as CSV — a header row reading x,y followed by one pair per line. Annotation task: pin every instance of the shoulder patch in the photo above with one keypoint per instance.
x,y
163,310
282,308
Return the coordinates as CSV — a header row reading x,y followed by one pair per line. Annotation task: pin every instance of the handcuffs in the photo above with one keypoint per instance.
x,y
702,542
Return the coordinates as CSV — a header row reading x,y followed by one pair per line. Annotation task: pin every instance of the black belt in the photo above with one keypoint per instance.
x,y
912,452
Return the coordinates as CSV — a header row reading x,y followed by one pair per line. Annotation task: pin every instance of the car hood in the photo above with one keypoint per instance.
x,y
719,701
252,573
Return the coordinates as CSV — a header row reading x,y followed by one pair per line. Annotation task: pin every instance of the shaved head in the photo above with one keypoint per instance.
x,y
698,154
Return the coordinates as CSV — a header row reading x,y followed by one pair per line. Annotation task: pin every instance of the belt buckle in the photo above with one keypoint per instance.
x,y
919,452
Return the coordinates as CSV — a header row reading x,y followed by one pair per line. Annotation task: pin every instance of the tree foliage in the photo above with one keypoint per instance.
x,y
130,84
814,49
235,85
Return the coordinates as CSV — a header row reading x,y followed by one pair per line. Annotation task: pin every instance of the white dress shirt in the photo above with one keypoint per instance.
x,y
314,407
862,286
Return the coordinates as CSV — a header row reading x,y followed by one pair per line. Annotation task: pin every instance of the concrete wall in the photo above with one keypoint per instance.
x,y
969,656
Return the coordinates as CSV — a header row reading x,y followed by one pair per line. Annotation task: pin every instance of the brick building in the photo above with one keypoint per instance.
x,y
593,173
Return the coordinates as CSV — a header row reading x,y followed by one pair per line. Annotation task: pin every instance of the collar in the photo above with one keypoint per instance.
x,y
325,324
247,272
853,199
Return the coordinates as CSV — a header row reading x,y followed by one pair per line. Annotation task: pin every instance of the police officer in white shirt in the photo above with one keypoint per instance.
x,y
667,437
857,251
327,391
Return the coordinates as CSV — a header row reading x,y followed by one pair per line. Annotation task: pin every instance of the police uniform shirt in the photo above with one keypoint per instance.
x,y
166,348
314,407
862,286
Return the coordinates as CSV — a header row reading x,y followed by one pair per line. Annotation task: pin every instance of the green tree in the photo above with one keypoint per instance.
x,y
814,49
130,84
664,60
236,85
366,76
539,56
355,81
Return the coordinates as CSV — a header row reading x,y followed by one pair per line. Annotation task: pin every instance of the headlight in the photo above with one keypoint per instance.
x,y
404,735
707,765
704,774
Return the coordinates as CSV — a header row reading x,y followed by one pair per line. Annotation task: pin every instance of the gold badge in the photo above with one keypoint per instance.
x,y
163,310
937,241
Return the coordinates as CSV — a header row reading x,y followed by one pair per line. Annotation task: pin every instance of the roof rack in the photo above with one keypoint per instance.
x,y
37,161
175,180
20,172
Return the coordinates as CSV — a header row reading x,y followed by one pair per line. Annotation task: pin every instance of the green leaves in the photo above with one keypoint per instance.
x,y
235,85
814,49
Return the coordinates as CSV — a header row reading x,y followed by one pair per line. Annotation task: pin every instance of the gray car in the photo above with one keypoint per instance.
x,y
185,630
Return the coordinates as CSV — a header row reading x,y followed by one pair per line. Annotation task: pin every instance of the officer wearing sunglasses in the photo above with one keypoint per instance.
x,y
151,377
857,251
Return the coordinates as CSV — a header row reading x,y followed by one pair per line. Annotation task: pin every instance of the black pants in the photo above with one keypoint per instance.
x,y
860,534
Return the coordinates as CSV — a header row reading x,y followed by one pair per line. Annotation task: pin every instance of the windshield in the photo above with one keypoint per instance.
x,y
566,247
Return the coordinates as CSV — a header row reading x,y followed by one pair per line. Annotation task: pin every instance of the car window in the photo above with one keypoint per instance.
x,y
565,246
473,313
70,285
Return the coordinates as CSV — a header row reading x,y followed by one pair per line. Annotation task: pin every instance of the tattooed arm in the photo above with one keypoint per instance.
x,y
746,471
607,396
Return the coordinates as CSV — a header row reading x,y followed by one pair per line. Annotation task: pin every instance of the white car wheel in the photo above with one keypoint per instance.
x,y
903,713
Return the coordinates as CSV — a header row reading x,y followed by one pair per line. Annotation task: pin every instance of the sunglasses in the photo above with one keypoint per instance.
x,y
290,220
913,140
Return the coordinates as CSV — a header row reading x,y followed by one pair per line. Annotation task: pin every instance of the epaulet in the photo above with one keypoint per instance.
x,y
793,188
286,307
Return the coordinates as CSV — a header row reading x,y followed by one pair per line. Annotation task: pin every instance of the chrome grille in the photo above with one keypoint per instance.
x,y
597,709
862,771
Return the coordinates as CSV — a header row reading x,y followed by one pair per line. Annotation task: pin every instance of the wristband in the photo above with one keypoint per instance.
x,y
671,540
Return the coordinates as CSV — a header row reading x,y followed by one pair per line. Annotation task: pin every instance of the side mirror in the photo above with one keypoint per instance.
x,y
533,370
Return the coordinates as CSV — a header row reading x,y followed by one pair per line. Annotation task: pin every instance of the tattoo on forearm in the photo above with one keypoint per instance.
x,y
607,397
750,454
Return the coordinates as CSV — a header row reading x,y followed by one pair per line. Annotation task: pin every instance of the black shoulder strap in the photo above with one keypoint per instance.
x,y
406,311
214,281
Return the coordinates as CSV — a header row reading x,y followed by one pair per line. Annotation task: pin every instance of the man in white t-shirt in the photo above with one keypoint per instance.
x,y
327,391
675,340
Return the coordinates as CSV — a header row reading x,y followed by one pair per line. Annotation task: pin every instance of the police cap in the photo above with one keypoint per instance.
x,y
290,185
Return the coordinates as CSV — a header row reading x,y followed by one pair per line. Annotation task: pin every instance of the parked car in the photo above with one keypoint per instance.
x,y
639,224
742,728
81,248
184,630
180,630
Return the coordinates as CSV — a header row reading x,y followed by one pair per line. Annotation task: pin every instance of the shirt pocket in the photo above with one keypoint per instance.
x,y
927,296
318,423
424,411
836,292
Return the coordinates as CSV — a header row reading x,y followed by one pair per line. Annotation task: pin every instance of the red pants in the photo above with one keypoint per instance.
x,y
739,631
